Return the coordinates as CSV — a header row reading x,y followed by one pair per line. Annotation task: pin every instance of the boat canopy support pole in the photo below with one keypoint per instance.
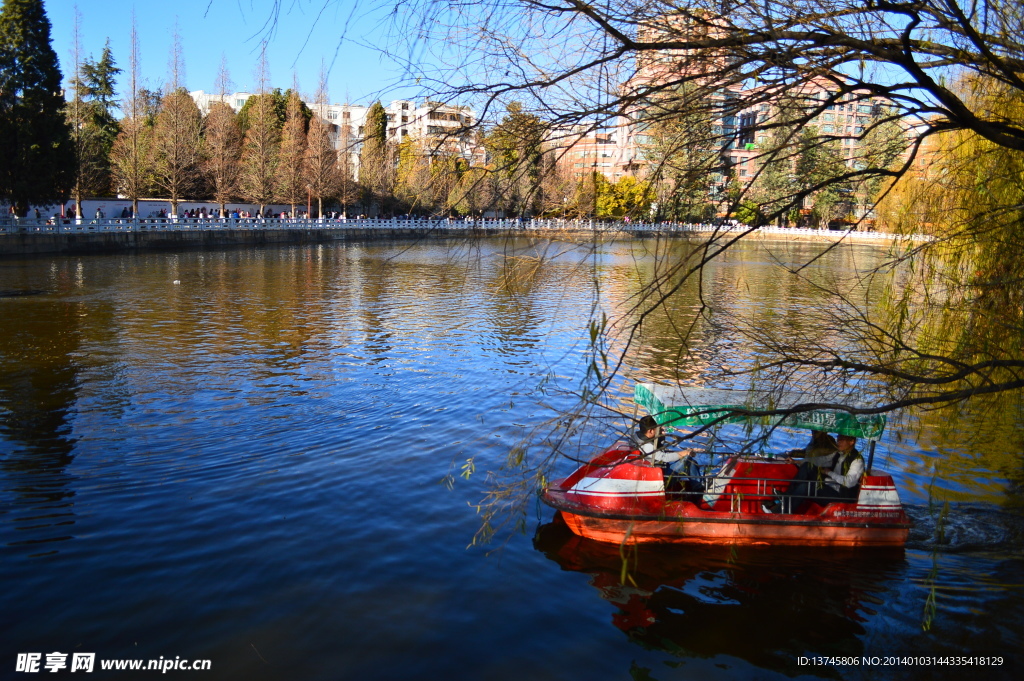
x,y
871,455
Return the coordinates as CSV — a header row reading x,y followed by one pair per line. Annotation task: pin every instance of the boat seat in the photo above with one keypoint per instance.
x,y
753,482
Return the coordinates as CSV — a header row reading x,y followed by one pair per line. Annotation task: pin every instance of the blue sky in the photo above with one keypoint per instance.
x,y
345,35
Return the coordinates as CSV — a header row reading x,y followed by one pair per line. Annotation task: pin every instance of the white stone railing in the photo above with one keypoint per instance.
x,y
122,225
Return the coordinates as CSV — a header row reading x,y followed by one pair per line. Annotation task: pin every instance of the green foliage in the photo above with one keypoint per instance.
x,y
93,126
96,81
514,150
681,149
819,168
260,152
749,213
278,102
376,160
776,184
149,104
37,163
291,180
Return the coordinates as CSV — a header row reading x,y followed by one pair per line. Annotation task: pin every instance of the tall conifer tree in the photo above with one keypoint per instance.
x,y
38,160
376,162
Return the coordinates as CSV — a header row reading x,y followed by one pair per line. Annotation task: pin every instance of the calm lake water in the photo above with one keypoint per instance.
x,y
238,456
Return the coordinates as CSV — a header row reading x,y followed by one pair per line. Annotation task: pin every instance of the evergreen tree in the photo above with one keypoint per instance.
x,y
98,80
776,185
820,168
291,180
514,146
681,150
278,103
93,126
37,164
376,163
92,151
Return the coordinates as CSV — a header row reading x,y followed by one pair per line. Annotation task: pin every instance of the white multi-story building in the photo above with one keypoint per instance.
x,y
440,128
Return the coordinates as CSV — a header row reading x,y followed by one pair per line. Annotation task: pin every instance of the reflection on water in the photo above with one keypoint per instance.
x,y
772,607
244,466
765,606
39,383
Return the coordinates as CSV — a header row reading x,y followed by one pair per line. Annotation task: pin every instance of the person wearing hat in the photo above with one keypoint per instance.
x,y
829,473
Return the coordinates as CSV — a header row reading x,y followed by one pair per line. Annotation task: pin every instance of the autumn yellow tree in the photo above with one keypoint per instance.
x,y
260,149
321,160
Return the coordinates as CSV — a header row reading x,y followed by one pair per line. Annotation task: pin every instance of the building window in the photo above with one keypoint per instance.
x,y
332,115
344,115
239,102
405,106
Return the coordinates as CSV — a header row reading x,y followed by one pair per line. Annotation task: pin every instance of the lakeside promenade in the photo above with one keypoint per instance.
x,y
29,236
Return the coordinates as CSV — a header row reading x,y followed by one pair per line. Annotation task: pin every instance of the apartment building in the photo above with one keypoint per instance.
x,y
625,147
442,129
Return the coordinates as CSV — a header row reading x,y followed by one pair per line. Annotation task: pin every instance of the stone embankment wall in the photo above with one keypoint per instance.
x,y
40,238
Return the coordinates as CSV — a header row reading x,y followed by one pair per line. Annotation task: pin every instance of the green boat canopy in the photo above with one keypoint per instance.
x,y
694,407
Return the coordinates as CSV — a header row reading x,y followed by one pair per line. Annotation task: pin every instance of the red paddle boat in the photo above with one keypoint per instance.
x,y
629,494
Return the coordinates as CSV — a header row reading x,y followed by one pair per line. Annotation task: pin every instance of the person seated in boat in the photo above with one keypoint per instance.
x,y
824,477
821,444
681,468
649,437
